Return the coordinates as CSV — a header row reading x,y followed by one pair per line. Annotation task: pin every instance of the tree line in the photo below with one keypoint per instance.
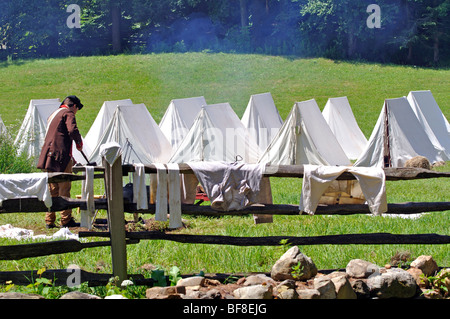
x,y
388,31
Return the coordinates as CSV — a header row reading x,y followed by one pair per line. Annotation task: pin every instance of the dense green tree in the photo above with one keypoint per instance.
x,y
32,28
409,31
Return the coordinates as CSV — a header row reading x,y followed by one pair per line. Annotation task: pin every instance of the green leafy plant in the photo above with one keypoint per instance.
x,y
40,285
285,244
297,271
9,286
112,287
439,283
158,277
174,275
230,279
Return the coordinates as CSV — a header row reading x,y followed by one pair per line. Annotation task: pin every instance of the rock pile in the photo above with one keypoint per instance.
x,y
295,276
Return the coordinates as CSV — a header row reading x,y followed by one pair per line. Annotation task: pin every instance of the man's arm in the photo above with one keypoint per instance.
x,y
72,128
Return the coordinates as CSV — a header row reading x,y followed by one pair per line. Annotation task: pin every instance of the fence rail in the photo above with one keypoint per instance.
x,y
116,207
33,205
347,239
392,174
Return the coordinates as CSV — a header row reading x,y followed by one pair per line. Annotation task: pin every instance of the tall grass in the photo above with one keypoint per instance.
x,y
10,162
155,79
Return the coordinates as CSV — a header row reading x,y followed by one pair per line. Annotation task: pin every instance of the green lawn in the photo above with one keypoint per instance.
x,y
156,79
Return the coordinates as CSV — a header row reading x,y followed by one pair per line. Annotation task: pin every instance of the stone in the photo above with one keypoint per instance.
x,y
343,287
288,294
288,283
308,294
191,281
212,294
360,288
325,287
19,295
358,268
254,292
394,283
419,277
193,294
282,269
169,292
78,295
286,290
427,264
212,282
337,274
258,279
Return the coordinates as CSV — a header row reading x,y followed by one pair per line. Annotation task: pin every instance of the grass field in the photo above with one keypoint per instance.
x,y
156,79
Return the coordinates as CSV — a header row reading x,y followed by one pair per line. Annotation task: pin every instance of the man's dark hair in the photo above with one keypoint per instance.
x,y
72,100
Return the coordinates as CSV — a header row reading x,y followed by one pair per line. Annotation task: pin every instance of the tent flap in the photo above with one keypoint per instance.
x,y
339,116
398,130
217,134
262,119
305,138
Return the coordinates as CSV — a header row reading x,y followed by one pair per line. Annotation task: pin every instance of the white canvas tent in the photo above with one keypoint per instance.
x,y
341,120
217,135
31,135
305,138
3,130
102,120
431,118
397,137
135,130
93,136
262,119
179,117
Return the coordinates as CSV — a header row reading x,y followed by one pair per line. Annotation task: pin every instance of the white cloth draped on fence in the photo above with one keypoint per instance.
x,y
139,187
168,196
317,178
111,152
87,194
161,205
25,185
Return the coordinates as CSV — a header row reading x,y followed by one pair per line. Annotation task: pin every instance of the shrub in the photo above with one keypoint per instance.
x,y
10,161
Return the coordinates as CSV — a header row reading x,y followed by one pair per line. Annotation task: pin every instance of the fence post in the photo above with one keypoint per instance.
x,y
116,218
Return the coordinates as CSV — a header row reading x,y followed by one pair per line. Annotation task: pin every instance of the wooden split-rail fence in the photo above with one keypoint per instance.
x,y
119,238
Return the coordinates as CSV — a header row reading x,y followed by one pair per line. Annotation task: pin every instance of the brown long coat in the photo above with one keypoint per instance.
x,y
57,150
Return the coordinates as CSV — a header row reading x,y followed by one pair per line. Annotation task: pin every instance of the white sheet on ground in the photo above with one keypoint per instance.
x,y
9,231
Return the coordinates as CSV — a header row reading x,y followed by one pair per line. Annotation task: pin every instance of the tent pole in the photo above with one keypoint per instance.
x,y
387,147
